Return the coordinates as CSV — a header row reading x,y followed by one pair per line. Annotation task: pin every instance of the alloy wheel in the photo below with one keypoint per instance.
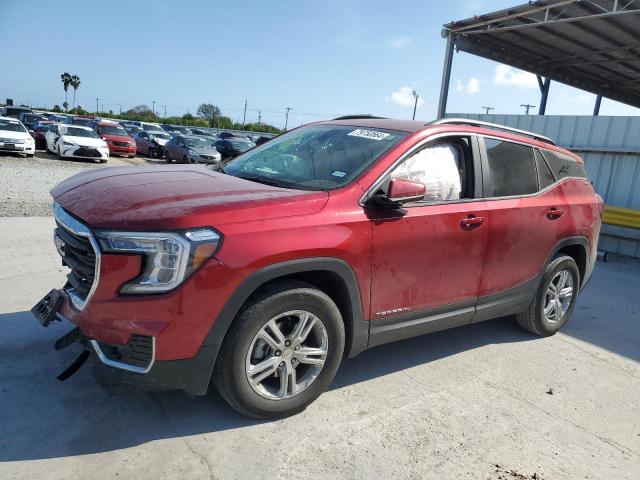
x,y
558,296
287,355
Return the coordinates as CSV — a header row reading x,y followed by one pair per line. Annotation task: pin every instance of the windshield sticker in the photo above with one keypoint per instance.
x,y
370,134
338,173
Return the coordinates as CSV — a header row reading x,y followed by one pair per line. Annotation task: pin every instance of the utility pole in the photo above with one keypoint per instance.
x,y
527,106
153,106
102,107
120,106
244,116
97,105
165,110
488,109
415,103
286,118
259,116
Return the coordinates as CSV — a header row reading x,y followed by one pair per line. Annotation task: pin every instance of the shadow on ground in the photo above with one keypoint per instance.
x,y
45,418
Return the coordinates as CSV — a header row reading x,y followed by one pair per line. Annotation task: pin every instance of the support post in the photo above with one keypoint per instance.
x,y
446,76
544,93
596,107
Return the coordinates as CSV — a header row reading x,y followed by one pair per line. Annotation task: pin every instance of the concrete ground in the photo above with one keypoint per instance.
x,y
486,401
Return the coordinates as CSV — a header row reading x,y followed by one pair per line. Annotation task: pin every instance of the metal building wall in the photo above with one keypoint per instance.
x,y
610,147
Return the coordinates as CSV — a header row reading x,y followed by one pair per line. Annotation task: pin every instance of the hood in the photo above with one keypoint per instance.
x,y
206,151
9,135
160,198
117,138
83,141
160,141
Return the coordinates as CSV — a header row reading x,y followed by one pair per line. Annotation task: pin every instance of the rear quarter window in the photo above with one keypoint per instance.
x,y
563,165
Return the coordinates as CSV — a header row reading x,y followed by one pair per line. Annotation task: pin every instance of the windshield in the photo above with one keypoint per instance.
x,y
9,126
79,132
316,157
151,128
81,121
242,145
153,135
33,118
113,130
41,128
197,142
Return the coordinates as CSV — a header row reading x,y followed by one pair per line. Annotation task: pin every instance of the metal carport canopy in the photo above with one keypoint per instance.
x,y
593,45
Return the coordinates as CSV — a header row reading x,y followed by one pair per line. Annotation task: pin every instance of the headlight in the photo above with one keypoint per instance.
x,y
193,154
168,258
69,144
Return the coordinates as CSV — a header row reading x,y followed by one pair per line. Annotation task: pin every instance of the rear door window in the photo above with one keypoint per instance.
x,y
545,176
512,169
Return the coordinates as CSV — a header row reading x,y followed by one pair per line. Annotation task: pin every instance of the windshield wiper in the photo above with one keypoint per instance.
x,y
265,181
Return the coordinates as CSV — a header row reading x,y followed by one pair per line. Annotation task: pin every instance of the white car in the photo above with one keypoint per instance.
x,y
14,137
76,141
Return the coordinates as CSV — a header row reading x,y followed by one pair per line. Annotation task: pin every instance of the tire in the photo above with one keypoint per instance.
x,y
132,156
60,157
166,156
185,159
534,319
30,155
236,356
150,153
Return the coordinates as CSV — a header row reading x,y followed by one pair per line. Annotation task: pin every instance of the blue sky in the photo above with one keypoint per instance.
x,y
321,58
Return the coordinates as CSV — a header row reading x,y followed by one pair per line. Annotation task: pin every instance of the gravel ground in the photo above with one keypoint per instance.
x,y
27,181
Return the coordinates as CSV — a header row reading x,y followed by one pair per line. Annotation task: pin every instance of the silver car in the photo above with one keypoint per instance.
x,y
191,149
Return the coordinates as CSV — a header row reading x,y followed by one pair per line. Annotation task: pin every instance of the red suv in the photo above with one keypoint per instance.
x,y
330,239
117,138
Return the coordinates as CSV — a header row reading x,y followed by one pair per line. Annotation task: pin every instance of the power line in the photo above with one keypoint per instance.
x,y
527,107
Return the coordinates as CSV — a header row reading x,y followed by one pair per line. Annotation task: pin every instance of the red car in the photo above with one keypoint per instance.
x,y
330,239
38,132
117,138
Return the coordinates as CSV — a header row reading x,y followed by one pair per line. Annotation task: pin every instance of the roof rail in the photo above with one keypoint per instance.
x,y
494,126
358,117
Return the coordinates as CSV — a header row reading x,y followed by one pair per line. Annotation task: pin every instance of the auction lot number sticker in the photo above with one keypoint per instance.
x,y
370,134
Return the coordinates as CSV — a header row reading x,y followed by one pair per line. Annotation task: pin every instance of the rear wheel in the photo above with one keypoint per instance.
x,y
166,156
282,352
555,298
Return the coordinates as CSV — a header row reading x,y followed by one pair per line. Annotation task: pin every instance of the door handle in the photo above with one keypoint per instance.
x,y
470,222
554,213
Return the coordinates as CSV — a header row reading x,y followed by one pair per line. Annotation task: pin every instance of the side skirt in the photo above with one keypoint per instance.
x,y
435,319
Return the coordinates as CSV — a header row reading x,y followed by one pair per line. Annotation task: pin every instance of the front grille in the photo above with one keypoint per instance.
x,y
121,144
86,152
77,254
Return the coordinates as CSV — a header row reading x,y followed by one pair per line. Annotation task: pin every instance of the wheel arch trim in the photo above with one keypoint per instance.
x,y
359,326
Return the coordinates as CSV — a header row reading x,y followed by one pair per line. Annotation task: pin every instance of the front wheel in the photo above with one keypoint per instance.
x,y
282,352
555,298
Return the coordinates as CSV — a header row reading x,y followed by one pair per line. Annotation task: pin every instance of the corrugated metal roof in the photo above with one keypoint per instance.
x,y
593,45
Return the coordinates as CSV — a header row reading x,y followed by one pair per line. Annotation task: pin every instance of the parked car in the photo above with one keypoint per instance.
x,y
29,119
191,149
151,143
117,138
261,139
150,127
15,112
53,117
82,120
330,239
38,133
131,129
76,141
231,147
222,135
15,138
204,133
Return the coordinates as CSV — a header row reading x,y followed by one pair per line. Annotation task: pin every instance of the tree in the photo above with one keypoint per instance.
x,y
141,113
75,83
56,108
208,111
65,105
65,78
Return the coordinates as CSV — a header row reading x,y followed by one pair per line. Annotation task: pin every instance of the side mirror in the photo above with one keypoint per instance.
x,y
405,191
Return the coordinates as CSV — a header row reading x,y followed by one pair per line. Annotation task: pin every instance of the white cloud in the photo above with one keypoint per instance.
x,y
505,75
403,97
399,41
471,87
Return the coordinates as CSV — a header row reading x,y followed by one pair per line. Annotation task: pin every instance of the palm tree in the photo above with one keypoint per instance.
x,y
75,83
66,81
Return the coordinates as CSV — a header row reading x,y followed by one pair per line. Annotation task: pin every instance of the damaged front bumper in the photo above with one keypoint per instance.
x,y
133,364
